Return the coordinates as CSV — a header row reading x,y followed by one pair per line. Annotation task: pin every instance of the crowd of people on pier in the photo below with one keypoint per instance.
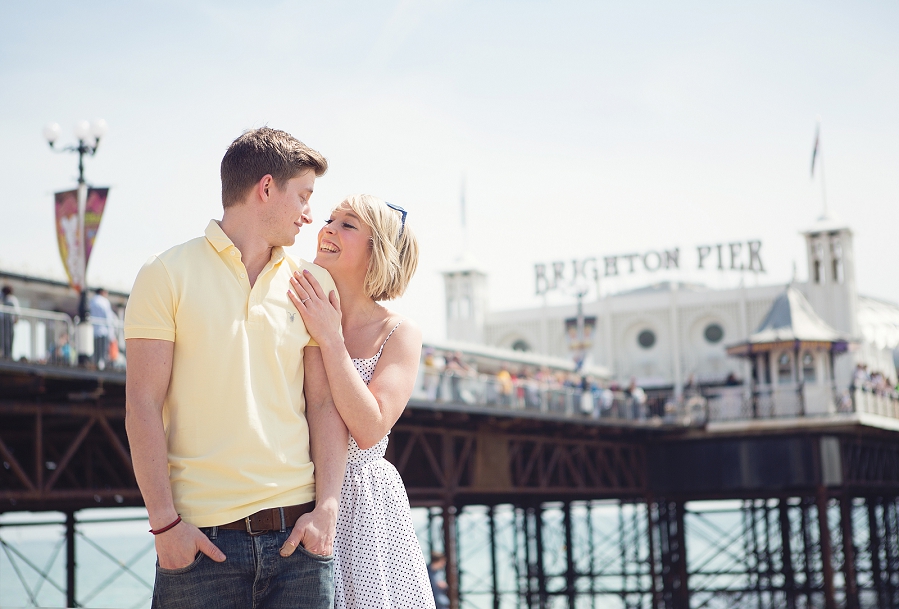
x,y
450,376
873,381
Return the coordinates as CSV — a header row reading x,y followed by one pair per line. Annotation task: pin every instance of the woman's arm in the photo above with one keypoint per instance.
x,y
368,411
327,445
371,411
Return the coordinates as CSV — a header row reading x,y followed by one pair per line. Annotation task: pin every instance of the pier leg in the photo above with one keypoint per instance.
x,y
874,551
650,534
849,570
493,562
529,570
570,574
826,553
538,537
672,550
70,560
787,554
452,558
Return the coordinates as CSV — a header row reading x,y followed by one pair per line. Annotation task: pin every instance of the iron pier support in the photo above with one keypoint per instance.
x,y
70,559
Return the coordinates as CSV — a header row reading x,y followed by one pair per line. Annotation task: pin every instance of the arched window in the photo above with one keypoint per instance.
x,y
837,252
819,263
784,369
809,371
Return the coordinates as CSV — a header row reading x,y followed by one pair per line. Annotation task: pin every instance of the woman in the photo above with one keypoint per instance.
x,y
371,357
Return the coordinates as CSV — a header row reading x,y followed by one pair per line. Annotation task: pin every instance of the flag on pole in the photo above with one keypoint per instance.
x,y
93,213
68,234
815,149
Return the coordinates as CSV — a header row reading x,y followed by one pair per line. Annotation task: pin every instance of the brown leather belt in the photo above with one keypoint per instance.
x,y
271,519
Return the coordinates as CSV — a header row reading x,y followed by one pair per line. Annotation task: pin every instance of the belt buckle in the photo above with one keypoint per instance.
x,y
250,530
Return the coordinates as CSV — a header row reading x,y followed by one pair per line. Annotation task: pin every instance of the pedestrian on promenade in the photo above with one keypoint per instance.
x,y
8,319
371,357
103,321
506,385
222,438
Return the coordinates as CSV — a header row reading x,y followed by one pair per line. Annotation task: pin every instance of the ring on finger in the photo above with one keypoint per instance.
x,y
305,299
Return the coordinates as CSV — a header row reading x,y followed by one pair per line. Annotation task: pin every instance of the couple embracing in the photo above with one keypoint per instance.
x,y
260,393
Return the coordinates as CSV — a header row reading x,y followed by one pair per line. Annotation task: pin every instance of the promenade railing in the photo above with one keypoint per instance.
x,y
871,401
696,406
532,395
36,336
791,400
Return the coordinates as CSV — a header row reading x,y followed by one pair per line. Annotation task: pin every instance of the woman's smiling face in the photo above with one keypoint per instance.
x,y
344,243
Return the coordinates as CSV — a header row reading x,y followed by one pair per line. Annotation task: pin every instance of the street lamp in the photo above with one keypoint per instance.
x,y
580,345
88,136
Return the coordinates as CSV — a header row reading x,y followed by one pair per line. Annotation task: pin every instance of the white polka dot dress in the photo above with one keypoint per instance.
x,y
378,562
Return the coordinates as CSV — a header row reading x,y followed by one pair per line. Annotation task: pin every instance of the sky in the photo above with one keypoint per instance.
x,y
579,129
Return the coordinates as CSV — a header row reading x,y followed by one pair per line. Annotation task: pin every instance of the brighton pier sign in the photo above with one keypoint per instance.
x,y
737,256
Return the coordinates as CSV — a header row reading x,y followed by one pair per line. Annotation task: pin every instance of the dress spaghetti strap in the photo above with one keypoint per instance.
x,y
388,338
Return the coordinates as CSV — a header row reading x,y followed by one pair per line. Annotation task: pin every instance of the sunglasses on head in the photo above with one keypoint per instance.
x,y
402,211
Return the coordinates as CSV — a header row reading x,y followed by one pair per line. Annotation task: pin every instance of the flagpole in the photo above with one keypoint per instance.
x,y
819,152
823,183
462,217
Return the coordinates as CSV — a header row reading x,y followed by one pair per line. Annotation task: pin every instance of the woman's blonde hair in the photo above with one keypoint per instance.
x,y
394,248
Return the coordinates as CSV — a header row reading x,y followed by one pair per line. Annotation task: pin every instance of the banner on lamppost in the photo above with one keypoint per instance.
x,y
93,212
68,234
576,343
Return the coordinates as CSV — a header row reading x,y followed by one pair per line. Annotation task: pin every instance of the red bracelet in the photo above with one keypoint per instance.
x,y
166,527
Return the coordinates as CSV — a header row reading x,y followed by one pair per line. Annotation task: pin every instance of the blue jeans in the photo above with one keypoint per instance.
x,y
253,576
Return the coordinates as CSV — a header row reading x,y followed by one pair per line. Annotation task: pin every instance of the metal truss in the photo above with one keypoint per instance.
x,y
584,554
438,463
789,552
64,456
753,554
875,533
870,464
37,561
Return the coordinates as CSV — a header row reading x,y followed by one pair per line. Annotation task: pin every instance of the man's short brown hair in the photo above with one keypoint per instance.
x,y
261,152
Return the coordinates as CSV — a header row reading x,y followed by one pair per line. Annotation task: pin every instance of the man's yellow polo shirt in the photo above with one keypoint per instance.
x,y
234,414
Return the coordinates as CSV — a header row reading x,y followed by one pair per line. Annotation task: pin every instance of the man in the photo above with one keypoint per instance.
x,y
506,385
216,415
102,318
8,319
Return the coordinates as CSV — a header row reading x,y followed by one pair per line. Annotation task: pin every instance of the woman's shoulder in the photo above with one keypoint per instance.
x,y
295,263
402,331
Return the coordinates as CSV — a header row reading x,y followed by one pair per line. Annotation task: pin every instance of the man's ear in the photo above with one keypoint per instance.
x,y
264,187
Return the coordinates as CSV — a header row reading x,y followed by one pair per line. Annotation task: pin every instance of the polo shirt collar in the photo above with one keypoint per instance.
x,y
220,241
217,237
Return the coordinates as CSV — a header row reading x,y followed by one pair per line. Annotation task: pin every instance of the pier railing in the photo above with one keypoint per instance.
x,y
798,400
36,336
652,407
532,395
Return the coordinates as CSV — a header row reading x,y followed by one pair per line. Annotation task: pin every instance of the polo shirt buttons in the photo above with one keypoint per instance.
x,y
233,253
243,275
